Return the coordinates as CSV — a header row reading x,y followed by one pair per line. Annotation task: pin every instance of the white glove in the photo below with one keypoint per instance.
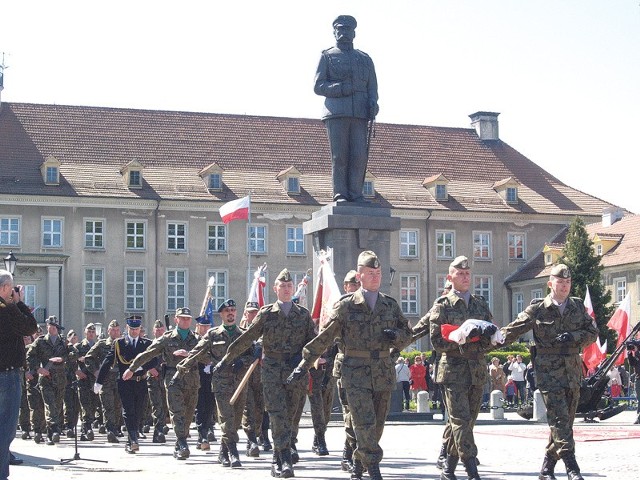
x,y
97,388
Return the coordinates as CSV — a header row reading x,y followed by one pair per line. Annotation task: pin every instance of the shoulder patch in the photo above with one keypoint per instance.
x,y
535,301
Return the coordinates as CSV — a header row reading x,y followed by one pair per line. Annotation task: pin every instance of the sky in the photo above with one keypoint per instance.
x,y
564,75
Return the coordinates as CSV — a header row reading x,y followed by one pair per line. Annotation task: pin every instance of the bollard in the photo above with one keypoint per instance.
x,y
497,412
423,402
539,408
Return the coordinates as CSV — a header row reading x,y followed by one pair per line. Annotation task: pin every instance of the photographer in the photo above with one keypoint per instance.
x,y
633,350
17,321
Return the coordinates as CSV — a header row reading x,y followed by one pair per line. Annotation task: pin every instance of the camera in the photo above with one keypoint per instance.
x,y
17,289
633,345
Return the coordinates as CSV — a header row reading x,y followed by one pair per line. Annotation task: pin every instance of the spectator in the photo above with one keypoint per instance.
x,y
507,364
428,369
418,382
498,378
518,369
530,377
510,390
403,377
615,383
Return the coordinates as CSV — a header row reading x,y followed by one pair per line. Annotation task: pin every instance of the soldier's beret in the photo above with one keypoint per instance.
x,y
113,323
71,333
226,303
460,263
158,324
90,326
284,276
183,312
250,306
53,320
134,321
561,271
350,277
345,20
203,320
368,259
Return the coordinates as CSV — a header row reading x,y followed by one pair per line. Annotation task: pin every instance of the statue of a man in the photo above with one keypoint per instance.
x,y
347,78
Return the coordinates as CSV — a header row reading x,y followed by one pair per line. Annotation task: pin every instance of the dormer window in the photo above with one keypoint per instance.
x,y
369,185
212,176
135,178
599,250
438,187
290,180
441,191
508,190
132,173
512,195
552,253
215,181
50,170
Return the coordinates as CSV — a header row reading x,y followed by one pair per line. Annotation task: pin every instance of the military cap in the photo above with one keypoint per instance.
x,y
249,306
284,276
70,333
561,271
227,303
460,263
368,259
90,326
113,323
53,320
183,312
134,321
345,20
350,277
158,324
203,320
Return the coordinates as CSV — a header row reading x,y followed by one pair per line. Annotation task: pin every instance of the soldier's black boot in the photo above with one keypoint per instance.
x,y
347,457
37,437
223,456
264,440
287,463
573,470
321,445
211,436
158,437
203,442
276,465
88,431
294,454
448,472
548,464
314,447
442,457
374,471
253,450
471,466
25,433
234,457
50,437
181,450
357,470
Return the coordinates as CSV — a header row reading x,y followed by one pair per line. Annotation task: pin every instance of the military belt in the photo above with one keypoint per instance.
x,y
138,378
374,355
558,350
279,355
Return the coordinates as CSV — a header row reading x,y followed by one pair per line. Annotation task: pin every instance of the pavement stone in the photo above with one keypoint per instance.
x,y
410,451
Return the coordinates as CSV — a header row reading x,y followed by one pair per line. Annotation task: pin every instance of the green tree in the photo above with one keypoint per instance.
x,y
586,271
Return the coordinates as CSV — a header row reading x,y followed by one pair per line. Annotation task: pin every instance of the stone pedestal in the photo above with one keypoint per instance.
x,y
350,228
495,402
539,408
422,404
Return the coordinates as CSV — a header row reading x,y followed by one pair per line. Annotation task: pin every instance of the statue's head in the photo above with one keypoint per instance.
x,y
344,28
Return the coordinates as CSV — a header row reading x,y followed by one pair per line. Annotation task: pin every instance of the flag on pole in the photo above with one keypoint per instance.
x,y
327,290
256,291
235,210
209,309
301,291
620,323
593,354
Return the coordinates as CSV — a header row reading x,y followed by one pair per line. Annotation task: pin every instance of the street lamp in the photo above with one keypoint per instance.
x,y
392,273
10,262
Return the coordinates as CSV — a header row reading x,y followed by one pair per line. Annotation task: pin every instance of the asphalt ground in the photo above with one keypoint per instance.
x,y
510,449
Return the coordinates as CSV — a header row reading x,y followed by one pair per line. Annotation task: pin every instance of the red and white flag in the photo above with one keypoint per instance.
x,y
235,210
593,354
256,291
620,323
327,291
301,291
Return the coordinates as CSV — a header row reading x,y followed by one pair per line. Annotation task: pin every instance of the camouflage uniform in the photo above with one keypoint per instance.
x,y
36,409
254,406
71,402
89,401
158,399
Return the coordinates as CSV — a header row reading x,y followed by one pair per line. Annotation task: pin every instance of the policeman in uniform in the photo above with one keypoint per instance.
x,y
561,328
368,324
285,328
47,357
182,395
89,401
347,78
109,397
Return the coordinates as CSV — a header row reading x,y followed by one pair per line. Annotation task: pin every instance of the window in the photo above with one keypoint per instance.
x,y
482,286
408,244
135,178
512,195
9,231
177,237
518,303
216,237
619,289
599,249
368,189
445,247
257,239
51,233
93,289
51,175
293,185
219,290
441,191
136,233
516,243
93,234
295,241
30,296
176,289
441,280
409,294
215,181
537,293
482,245
134,290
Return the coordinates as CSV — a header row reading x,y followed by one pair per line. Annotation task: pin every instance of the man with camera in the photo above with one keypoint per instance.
x,y
17,322
633,350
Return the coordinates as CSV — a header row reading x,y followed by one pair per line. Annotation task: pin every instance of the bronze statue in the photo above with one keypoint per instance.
x,y
347,78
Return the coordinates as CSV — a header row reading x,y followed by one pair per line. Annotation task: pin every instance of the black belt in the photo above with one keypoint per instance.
x,y
8,369
139,378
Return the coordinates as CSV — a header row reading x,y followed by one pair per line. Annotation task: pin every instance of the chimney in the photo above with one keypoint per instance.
x,y
486,125
611,215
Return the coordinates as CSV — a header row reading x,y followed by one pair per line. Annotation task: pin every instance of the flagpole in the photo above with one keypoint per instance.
x,y
249,228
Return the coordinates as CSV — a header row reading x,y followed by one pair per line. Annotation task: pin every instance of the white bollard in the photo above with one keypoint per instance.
x,y
539,408
495,402
423,402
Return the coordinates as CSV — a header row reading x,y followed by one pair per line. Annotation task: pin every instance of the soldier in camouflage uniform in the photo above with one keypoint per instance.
x,y
462,369
367,324
71,403
182,395
206,402
224,381
109,398
285,328
158,393
561,328
35,401
47,357
89,401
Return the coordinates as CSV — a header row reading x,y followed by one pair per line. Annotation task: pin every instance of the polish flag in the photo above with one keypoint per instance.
x,y
256,291
595,353
620,323
327,291
235,210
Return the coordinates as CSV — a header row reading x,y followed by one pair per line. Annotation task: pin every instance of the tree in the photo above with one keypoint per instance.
x,y
586,271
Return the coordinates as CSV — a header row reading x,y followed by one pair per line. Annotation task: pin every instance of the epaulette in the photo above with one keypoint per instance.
x,y
535,301
441,299
478,297
304,309
346,295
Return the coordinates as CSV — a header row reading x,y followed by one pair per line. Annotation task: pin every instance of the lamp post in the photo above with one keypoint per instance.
x,y
10,262
392,274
